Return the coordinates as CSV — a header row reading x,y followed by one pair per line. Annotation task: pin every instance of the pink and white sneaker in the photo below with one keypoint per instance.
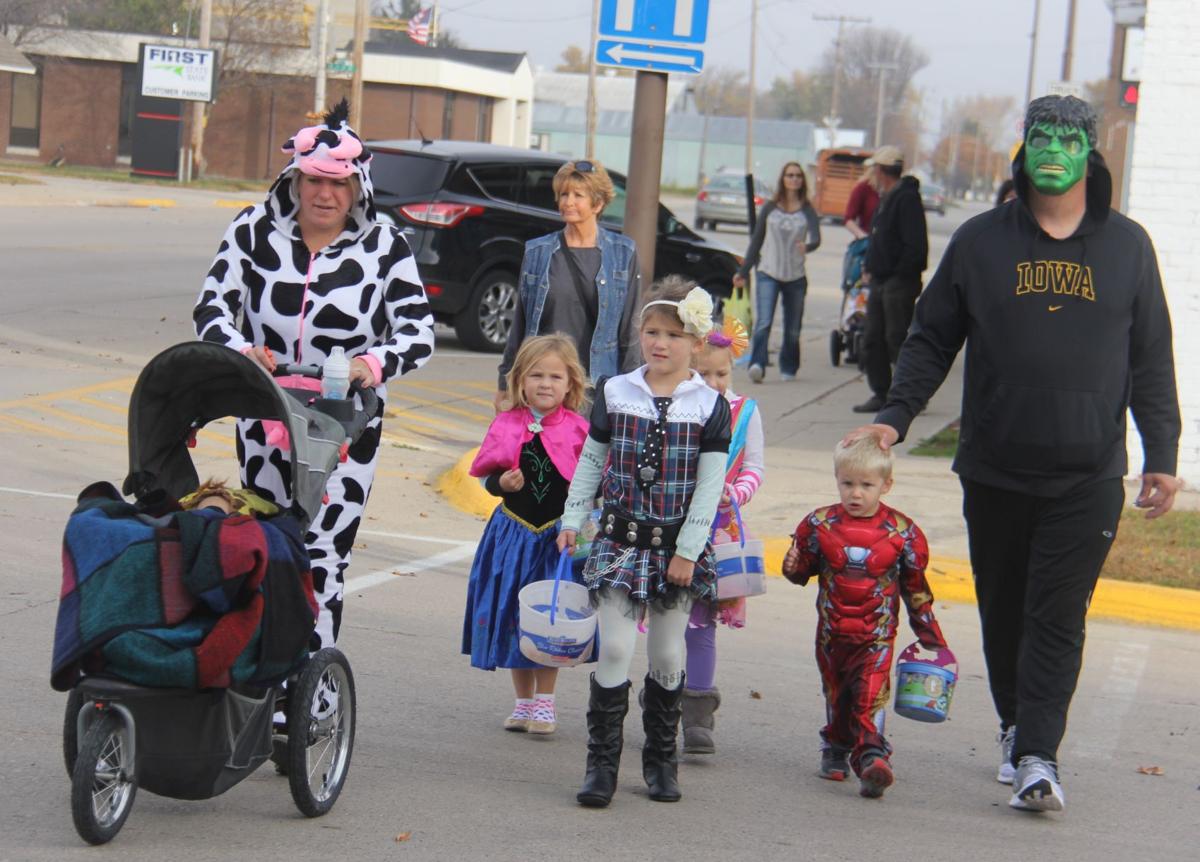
x,y
544,720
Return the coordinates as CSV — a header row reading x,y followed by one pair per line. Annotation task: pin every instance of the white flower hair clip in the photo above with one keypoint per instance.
x,y
695,311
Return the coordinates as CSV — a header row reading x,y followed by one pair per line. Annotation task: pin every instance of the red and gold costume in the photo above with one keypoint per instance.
x,y
864,566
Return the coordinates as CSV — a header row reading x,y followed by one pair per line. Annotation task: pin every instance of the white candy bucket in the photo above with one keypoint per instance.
x,y
740,569
555,621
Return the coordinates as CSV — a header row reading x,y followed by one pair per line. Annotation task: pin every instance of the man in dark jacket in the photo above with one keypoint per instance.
x,y
1059,301
896,257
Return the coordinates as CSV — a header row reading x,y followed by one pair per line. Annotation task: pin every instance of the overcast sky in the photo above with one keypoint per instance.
x,y
975,46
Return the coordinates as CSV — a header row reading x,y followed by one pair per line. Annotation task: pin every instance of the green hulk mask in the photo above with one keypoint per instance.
x,y
1060,137
1056,157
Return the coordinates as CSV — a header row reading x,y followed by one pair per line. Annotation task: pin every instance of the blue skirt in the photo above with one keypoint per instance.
x,y
511,554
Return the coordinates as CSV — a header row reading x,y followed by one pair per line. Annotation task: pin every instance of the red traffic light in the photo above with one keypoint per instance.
x,y
1129,94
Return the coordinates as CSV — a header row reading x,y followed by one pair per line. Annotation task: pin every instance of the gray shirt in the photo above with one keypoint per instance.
x,y
781,240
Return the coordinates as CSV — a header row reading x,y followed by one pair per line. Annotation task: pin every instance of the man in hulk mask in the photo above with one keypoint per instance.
x,y
1059,301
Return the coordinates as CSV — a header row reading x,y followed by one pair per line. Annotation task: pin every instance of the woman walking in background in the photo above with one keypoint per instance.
x,y
787,230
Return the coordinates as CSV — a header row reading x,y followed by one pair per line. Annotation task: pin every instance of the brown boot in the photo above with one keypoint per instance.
x,y
698,721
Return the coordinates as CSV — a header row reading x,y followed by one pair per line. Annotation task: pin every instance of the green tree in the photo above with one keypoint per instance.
x,y
156,17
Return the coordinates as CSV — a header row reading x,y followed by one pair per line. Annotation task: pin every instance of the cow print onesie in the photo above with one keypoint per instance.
x,y
361,292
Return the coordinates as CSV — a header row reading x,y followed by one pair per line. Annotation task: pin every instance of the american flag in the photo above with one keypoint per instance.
x,y
418,26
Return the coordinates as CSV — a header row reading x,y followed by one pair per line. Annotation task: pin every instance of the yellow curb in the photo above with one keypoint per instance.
x,y
949,579
463,491
150,202
231,204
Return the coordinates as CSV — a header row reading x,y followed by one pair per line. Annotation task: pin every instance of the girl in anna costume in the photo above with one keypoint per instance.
x,y
743,475
528,459
656,449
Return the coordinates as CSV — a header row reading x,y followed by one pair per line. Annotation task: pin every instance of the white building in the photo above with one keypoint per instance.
x,y
1164,196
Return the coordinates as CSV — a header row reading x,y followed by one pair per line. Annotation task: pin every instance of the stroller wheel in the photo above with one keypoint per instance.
x,y
321,712
860,358
835,348
71,729
102,782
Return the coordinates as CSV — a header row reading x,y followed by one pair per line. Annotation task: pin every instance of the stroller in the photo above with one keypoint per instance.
x,y
846,340
194,742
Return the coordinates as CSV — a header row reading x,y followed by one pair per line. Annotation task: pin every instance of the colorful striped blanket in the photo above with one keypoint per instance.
x,y
191,599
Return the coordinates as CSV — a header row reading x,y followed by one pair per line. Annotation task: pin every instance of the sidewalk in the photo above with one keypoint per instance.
x,y
47,190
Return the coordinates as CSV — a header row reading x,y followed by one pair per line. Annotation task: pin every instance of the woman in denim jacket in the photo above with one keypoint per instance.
x,y
582,281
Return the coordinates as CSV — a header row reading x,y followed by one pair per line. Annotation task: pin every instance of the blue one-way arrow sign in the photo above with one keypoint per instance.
x,y
645,55
658,35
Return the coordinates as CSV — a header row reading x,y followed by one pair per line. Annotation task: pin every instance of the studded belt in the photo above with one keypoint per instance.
x,y
618,527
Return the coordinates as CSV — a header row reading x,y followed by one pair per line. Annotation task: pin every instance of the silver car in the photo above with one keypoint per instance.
x,y
723,199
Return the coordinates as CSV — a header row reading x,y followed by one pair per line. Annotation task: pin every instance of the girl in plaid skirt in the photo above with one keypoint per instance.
x,y
656,450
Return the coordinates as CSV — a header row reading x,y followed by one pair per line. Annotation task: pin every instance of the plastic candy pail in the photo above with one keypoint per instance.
x,y
555,621
925,683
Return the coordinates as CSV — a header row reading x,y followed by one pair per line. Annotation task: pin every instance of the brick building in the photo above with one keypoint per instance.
x,y
79,106
1164,195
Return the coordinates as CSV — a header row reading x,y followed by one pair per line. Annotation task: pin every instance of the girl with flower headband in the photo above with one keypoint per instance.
x,y
656,449
743,475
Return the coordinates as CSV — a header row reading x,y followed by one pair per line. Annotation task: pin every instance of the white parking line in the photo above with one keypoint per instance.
x,y
1097,733
29,493
413,537
445,558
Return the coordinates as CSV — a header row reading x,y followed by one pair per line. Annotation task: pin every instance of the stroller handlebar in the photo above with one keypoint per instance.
x,y
353,421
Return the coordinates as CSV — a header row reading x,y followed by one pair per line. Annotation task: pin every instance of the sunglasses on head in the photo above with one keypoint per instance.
x,y
583,167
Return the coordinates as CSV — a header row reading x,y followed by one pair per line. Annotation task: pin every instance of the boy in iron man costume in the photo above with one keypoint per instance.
x,y
866,556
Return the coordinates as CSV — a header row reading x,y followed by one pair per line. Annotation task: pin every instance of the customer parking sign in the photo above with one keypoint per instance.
x,y
172,72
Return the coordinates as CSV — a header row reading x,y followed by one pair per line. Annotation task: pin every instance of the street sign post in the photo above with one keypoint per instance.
x,y
654,37
658,35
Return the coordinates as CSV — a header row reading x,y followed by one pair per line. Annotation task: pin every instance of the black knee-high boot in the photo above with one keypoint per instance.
x,y
606,722
660,720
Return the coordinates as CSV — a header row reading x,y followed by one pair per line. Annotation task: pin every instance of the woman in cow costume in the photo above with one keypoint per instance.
x,y
307,270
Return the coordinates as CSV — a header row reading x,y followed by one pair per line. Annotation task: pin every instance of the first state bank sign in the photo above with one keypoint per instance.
x,y
169,72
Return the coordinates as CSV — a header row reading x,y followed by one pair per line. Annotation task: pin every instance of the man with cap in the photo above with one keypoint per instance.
x,y
896,257
1060,304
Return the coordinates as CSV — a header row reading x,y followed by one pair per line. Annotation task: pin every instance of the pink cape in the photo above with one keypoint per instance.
x,y
563,433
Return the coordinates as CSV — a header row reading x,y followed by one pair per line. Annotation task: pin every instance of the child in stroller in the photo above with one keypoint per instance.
x,y
182,630
846,340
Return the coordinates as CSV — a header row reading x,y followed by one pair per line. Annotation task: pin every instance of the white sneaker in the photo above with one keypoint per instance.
x,y
1006,771
1036,787
756,373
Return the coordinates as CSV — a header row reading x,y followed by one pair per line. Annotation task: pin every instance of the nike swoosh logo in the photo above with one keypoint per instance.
x,y
1055,307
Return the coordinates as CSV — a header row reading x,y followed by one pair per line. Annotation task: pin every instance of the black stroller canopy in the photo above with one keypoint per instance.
x,y
191,384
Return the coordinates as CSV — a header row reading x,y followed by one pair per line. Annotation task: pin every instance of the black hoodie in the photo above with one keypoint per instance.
x,y
1063,336
899,246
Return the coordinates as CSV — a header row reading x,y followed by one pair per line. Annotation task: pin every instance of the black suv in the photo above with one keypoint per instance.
x,y
468,209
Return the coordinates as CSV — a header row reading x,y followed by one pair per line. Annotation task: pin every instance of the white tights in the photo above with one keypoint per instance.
x,y
618,634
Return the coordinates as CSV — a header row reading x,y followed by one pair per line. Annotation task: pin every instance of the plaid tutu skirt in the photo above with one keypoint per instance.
x,y
642,574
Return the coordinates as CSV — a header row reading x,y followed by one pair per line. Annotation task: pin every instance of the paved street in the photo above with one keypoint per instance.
x,y
91,292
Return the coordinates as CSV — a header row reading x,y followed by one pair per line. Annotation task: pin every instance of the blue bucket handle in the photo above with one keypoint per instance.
x,y
564,562
737,516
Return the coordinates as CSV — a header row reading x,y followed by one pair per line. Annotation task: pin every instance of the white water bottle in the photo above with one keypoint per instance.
x,y
335,375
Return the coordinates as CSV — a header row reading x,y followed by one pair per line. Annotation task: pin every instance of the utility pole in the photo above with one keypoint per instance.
x,y
833,119
199,109
750,99
589,147
1037,13
356,84
322,55
1069,44
645,166
883,68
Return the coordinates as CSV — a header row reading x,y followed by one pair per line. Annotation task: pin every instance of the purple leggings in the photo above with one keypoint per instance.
x,y
701,657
